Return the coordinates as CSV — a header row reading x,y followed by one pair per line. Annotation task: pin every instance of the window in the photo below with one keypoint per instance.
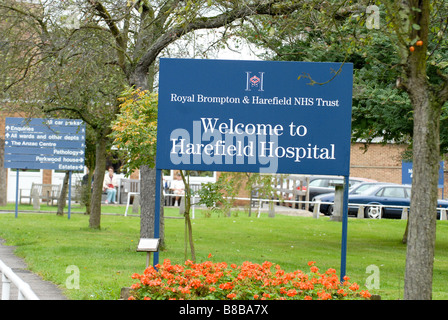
x,y
317,183
394,192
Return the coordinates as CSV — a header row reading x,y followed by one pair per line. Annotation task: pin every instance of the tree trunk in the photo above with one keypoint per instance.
x,y
143,79
100,169
426,155
63,196
188,225
147,196
422,216
86,193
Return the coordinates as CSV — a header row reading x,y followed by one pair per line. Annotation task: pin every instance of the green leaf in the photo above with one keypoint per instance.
x,y
415,26
443,64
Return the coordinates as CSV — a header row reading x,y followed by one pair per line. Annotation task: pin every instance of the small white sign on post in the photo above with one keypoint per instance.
x,y
148,245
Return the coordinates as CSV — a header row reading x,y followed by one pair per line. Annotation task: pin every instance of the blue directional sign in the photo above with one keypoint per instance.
x,y
56,144
406,173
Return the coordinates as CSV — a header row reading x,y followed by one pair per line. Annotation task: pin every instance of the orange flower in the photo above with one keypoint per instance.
x,y
185,290
267,264
365,294
179,281
291,292
135,286
330,271
323,295
226,286
231,295
342,292
354,287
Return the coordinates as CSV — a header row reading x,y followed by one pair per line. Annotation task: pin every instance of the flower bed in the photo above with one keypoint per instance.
x,y
250,281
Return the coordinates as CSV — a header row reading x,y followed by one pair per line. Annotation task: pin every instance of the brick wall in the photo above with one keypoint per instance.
x,y
378,162
383,163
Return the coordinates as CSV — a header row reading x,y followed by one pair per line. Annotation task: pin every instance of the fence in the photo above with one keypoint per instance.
x,y
24,290
316,207
126,187
361,209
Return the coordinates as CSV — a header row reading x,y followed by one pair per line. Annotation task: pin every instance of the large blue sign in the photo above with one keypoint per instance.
x,y
57,144
254,116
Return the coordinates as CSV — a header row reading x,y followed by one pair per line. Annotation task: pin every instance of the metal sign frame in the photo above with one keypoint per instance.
x,y
255,116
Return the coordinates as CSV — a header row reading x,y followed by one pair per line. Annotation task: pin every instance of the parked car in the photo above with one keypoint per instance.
x,y
381,200
325,198
326,184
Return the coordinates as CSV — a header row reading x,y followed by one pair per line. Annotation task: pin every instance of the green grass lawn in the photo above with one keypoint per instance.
x,y
107,258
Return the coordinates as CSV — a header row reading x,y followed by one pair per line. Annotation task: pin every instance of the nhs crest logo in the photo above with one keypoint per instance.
x,y
254,81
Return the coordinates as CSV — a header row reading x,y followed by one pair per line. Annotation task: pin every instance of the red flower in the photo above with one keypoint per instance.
x,y
354,287
291,292
202,280
365,294
231,295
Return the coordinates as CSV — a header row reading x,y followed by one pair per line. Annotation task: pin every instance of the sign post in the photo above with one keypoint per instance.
x,y
256,116
56,144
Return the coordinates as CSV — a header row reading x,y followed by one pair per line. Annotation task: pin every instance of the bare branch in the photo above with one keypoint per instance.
x,y
120,40
267,8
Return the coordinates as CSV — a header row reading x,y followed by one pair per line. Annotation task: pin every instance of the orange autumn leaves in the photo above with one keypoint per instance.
x,y
250,281
134,132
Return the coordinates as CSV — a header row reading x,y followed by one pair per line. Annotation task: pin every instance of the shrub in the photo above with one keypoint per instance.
x,y
250,281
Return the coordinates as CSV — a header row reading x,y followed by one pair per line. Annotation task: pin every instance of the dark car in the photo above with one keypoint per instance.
x,y
382,200
326,184
325,198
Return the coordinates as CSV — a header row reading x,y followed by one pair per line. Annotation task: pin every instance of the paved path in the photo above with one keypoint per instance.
x,y
45,290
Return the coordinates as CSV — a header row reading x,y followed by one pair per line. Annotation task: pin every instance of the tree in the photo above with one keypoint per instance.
x,y
61,70
134,33
427,100
154,26
134,133
415,37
